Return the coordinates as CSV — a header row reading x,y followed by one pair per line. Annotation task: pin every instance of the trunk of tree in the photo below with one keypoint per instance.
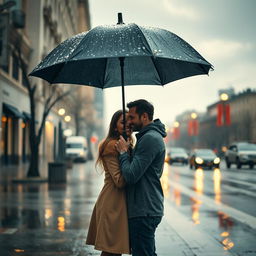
x,y
33,170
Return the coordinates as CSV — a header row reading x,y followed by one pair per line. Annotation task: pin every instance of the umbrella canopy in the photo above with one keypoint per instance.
x,y
153,56
122,54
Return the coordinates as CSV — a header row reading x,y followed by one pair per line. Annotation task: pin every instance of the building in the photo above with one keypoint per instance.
x,y
242,116
210,134
29,30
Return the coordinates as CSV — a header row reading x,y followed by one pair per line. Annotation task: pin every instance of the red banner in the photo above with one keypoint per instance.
x,y
227,115
219,115
193,127
190,128
176,133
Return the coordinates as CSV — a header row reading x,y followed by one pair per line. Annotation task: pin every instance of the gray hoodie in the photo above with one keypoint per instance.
x,y
143,170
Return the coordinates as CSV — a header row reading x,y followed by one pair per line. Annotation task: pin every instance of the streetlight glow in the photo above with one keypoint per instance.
x,y
224,97
61,111
176,124
193,115
67,118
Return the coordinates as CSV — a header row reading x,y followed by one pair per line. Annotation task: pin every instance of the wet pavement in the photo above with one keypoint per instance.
x,y
52,219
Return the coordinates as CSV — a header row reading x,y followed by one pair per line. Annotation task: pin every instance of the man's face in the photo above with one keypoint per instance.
x,y
134,120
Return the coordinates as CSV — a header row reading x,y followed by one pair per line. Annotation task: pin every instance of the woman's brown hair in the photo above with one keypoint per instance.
x,y
112,134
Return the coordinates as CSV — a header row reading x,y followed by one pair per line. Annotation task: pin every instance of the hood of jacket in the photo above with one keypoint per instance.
x,y
156,125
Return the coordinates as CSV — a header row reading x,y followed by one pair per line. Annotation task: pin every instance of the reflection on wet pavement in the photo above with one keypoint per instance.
x,y
217,185
48,219
226,223
199,181
200,194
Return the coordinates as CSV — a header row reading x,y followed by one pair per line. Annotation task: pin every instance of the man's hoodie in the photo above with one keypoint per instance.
x,y
143,170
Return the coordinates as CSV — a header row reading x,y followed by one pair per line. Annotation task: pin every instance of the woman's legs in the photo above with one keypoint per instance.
x,y
109,254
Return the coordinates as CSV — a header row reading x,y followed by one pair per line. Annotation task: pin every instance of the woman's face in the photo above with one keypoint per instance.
x,y
119,126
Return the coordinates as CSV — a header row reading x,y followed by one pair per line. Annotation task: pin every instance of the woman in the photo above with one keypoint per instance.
x,y
108,230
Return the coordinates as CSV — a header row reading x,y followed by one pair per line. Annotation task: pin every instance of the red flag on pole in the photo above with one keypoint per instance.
x,y
219,114
190,128
227,115
195,127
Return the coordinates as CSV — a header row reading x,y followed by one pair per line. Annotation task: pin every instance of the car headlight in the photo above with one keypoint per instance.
x,y
216,160
81,153
199,160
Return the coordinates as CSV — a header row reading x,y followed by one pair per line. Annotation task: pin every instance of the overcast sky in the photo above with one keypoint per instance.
x,y
223,32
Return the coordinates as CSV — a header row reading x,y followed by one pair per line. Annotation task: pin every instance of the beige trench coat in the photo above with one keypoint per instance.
x,y
108,230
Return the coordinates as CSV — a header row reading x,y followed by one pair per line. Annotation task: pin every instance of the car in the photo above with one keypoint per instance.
x,y
76,148
203,158
241,153
177,155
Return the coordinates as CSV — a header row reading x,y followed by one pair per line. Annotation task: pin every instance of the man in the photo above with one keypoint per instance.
x,y
142,174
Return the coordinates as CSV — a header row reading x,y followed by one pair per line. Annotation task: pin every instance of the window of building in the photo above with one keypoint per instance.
x,y
15,67
24,77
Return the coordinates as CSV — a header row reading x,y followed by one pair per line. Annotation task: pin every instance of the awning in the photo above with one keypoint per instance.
x,y
12,111
27,117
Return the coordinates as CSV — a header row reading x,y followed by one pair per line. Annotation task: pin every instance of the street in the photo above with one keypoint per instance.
x,y
220,202
207,212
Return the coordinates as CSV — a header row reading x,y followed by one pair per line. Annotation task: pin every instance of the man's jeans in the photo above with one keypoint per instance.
x,y
142,235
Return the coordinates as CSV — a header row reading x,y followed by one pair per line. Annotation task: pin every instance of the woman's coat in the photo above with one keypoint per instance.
x,y
108,230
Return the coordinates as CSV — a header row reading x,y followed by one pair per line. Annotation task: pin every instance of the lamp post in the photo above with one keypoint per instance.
x,y
176,130
60,156
223,111
223,116
193,127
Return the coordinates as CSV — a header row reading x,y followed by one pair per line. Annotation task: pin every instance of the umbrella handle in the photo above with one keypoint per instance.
x,y
121,60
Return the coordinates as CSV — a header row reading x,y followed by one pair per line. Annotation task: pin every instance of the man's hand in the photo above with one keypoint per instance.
x,y
122,145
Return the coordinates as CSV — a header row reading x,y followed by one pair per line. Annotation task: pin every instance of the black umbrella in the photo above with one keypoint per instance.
x,y
119,55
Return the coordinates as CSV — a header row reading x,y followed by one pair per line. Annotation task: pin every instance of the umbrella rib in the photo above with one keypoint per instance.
x,y
104,78
153,60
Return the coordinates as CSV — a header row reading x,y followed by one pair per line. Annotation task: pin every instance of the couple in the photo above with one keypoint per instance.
x,y
130,205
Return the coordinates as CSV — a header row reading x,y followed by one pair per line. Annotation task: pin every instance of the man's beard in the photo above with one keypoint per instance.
x,y
136,127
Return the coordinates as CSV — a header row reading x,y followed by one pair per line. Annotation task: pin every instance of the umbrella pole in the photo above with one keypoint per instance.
x,y
121,59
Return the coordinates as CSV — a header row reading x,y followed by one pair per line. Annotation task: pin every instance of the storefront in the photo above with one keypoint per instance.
x,y
11,121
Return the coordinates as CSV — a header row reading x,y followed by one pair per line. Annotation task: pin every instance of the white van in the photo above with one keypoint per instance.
x,y
76,148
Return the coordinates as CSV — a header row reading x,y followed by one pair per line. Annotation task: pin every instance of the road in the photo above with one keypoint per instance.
x,y
220,202
207,212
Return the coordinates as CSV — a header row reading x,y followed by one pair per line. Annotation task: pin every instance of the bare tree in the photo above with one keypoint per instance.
x,y
36,134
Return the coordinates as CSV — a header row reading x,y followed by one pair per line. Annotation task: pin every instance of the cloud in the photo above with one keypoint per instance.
x,y
222,49
184,12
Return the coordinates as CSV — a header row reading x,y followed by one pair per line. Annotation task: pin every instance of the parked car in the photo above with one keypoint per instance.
x,y
241,153
177,155
76,148
203,158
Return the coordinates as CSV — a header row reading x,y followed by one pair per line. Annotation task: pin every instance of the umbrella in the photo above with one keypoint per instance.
x,y
119,55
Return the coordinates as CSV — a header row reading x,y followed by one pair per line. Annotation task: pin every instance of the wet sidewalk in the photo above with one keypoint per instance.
x,y
52,219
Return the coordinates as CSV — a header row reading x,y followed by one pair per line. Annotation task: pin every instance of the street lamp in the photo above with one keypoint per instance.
x,y
176,130
193,115
224,97
176,124
223,111
61,111
193,127
67,119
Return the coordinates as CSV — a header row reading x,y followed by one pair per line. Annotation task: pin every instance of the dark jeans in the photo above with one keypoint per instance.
x,y
142,235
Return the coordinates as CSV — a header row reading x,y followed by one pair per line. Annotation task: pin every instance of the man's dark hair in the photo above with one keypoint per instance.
x,y
142,106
